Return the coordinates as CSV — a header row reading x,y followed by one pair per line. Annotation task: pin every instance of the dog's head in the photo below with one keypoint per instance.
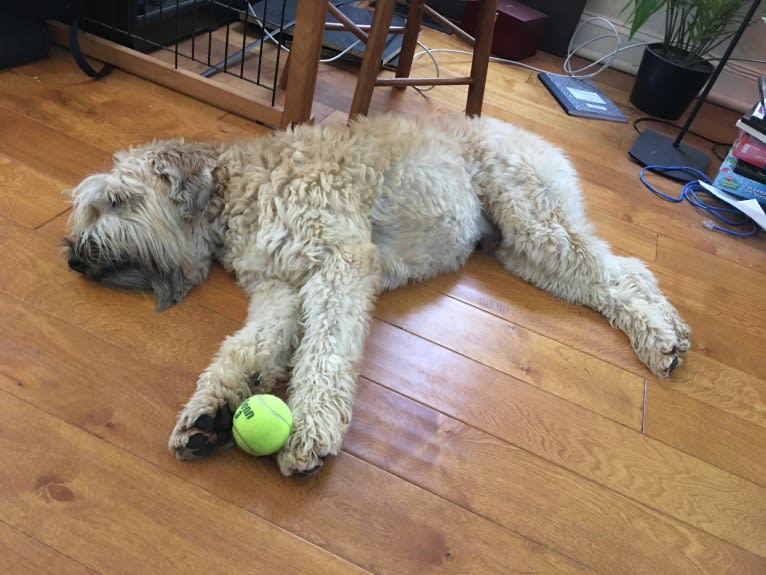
x,y
149,223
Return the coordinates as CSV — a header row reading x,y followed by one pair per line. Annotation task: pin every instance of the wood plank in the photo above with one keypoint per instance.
x,y
717,301
125,316
517,351
27,197
24,555
721,386
607,531
729,291
330,511
632,203
40,148
66,486
106,112
707,433
626,239
562,433
485,284
718,338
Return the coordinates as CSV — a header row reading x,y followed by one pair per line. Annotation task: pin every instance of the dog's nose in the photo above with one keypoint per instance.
x,y
77,264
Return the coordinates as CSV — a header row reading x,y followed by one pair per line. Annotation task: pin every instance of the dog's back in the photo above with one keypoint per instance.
x,y
443,178
427,216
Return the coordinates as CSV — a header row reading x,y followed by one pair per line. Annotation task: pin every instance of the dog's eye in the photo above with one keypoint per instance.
x,y
115,203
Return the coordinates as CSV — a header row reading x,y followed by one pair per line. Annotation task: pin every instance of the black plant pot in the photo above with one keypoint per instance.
x,y
665,89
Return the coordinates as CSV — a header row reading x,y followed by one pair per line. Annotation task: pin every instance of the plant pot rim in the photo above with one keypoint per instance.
x,y
657,48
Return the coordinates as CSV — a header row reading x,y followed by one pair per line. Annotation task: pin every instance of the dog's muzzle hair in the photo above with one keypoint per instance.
x,y
122,272
90,258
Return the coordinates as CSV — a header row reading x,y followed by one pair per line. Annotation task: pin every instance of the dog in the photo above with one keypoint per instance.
x,y
316,221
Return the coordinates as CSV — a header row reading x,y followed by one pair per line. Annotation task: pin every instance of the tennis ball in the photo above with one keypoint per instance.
x,y
262,424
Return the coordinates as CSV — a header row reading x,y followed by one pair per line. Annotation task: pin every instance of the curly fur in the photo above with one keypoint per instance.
x,y
316,221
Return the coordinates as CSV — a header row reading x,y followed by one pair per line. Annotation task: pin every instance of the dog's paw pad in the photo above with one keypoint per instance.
x,y
668,360
197,440
675,361
308,472
206,434
205,422
201,444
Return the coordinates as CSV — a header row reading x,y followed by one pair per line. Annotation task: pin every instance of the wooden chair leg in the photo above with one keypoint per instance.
x,y
379,30
481,52
301,81
373,53
410,40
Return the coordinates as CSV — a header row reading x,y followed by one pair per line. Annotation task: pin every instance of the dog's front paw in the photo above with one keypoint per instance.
x,y
200,431
309,444
664,343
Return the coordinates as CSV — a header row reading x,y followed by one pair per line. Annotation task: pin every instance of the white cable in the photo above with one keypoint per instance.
x,y
437,70
571,52
341,53
607,59
260,23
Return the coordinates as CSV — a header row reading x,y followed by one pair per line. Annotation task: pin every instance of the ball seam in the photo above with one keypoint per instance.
x,y
262,401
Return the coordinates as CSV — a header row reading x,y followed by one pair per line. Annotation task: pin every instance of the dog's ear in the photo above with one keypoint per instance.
x,y
189,171
169,287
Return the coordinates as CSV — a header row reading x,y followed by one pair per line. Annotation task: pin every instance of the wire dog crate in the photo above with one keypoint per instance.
x,y
220,51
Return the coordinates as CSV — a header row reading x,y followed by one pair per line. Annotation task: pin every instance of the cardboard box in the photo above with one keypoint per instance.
x,y
518,28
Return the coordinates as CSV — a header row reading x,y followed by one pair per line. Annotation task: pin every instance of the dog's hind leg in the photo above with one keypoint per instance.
x,y
337,305
547,242
250,361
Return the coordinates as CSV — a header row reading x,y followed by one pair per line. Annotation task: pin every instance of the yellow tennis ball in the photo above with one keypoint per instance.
x,y
262,424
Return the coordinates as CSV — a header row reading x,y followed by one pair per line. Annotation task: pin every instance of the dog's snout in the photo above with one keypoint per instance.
x,y
77,264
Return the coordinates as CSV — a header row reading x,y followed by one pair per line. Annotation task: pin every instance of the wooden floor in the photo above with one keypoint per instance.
x,y
497,429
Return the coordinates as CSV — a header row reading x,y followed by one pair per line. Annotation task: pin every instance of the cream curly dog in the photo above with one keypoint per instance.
x,y
316,221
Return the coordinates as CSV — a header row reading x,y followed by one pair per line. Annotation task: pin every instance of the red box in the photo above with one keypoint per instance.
x,y
518,28
750,150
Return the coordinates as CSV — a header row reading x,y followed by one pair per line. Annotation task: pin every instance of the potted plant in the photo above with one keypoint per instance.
x,y
673,71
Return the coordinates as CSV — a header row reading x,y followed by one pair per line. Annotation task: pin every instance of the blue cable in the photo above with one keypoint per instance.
x,y
691,193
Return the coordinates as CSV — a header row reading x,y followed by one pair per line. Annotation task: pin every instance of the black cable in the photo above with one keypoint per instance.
x,y
74,45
